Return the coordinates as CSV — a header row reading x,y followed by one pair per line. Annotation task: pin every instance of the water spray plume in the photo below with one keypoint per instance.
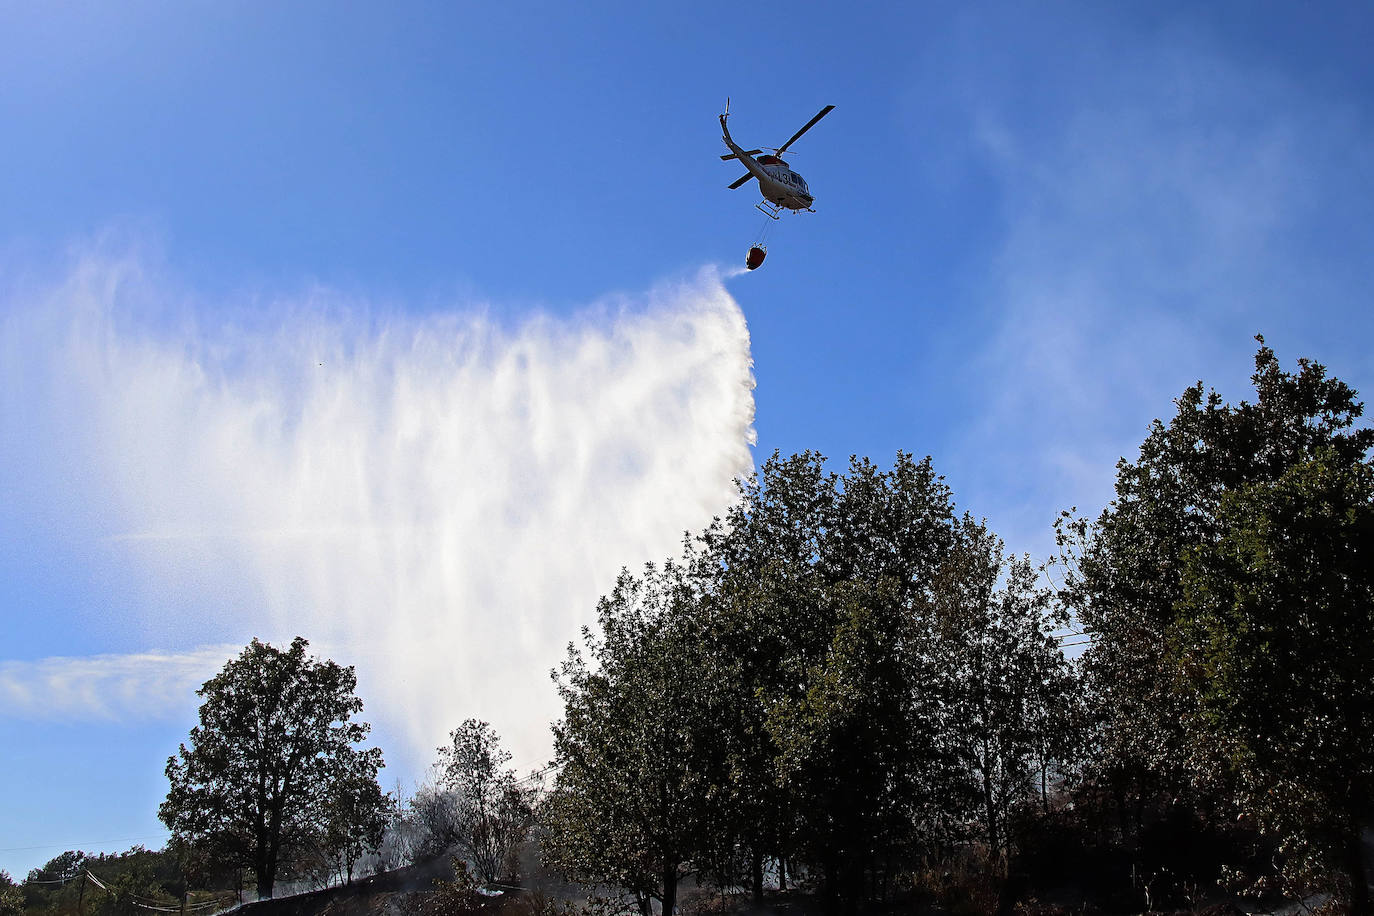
x,y
439,501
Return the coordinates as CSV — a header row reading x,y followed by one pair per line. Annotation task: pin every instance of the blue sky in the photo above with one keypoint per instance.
x,y
403,326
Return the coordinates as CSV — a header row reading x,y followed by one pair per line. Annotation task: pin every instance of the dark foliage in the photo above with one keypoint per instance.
x,y
1230,619
273,755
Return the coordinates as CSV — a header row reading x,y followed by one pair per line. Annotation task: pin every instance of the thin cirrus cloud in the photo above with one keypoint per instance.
x,y
107,687
1157,216
438,500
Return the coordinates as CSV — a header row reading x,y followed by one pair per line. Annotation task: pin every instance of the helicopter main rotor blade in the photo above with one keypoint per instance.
x,y
741,180
749,152
809,124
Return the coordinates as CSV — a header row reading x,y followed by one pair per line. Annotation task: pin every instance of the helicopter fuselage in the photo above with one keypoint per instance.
x,y
784,187
777,182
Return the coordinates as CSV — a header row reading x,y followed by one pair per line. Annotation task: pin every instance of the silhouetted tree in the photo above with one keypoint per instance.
x,y
493,812
275,741
355,816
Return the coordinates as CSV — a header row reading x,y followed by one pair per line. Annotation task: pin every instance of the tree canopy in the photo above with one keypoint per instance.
x,y
275,743
1216,586
1273,639
842,674
640,781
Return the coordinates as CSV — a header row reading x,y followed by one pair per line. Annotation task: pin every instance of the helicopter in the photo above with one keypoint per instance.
x,y
781,187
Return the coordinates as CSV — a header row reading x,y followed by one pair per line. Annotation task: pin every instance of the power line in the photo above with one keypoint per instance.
x,y
78,846
539,774
144,903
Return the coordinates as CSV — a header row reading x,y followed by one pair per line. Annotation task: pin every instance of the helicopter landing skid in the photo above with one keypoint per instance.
x,y
768,209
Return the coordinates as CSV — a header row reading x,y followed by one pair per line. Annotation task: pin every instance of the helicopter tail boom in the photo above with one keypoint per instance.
x,y
745,156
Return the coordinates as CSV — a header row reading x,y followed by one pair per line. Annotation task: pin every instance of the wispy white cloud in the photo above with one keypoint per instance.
x,y
1161,206
437,500
146,685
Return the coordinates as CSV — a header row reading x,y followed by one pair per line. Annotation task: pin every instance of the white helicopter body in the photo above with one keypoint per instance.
x,y
781,187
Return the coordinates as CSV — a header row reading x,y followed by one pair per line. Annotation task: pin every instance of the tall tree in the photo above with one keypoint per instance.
x,y
1012,689
1125,577
632,804
1274,639
826,625
276,737
770,625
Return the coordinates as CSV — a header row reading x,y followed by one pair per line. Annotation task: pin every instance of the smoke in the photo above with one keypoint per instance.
x,y
437,500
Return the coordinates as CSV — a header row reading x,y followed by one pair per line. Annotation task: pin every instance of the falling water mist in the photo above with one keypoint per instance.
x,y
437,500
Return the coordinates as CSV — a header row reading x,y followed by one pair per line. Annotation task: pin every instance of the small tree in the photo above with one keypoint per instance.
x,y
493,813
356,817
400,836
11,898
275,741
433,823
62,867
130,891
